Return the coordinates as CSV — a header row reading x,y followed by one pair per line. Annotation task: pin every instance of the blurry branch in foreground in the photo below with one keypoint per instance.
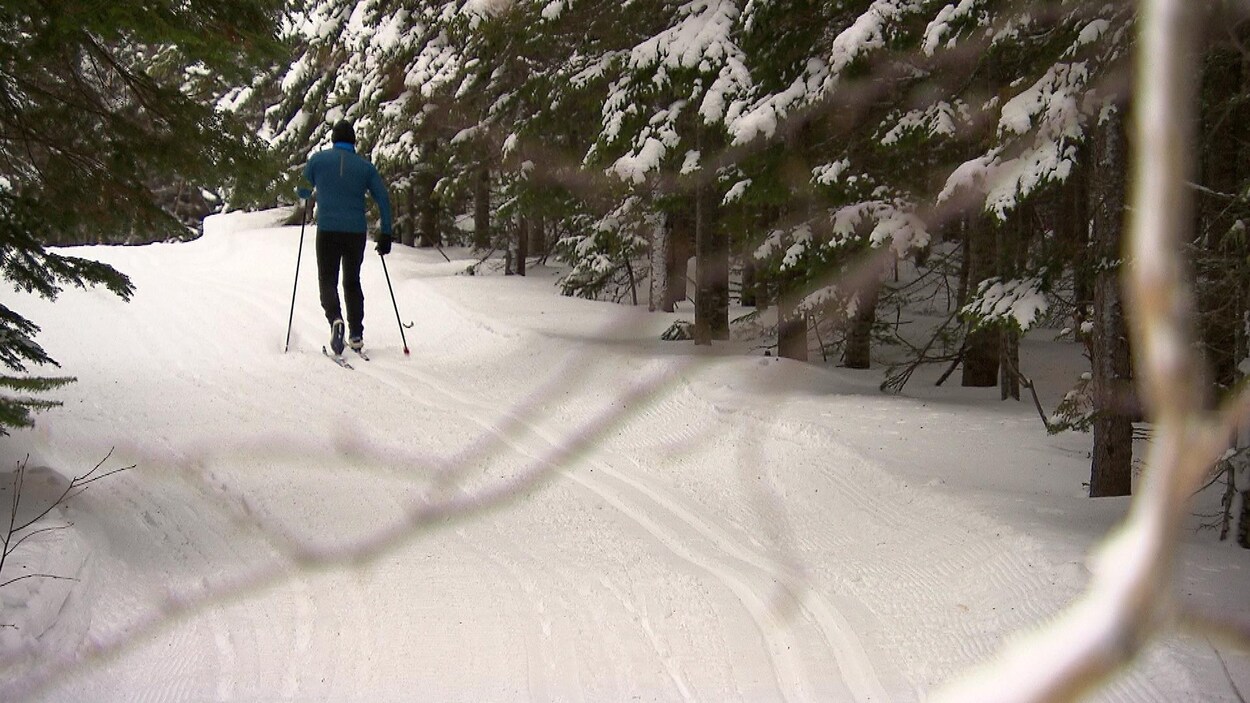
x,y
1131,599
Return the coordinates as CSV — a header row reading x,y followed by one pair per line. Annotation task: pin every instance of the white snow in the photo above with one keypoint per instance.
x,y
734,194
1019,301
553,10
486,7
937,119
939,28
828,174
690,163
1093,32
1053,99
543,502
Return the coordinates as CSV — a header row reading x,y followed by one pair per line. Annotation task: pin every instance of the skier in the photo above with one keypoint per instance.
x,y
341,178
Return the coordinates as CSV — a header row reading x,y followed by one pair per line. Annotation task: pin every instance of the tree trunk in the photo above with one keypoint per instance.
x,y
509,249
980,363
711,319
1013,245
981,347
1009,364
1243,523
965,259
746,297
1111,473
1218,263
791,324
680,248
408,235
427,205
538,238
1072,227
522,244
702,271
660,255
762,291
859,335
481,209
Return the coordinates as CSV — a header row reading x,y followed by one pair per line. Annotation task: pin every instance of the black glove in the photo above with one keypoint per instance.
x,y
384,244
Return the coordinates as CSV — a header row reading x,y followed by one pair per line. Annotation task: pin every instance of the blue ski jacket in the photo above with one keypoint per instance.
x,y
342,177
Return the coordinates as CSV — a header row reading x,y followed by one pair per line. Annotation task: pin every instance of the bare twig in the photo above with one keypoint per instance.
x,y
37,576
11,540
75,487
32,533
1037,402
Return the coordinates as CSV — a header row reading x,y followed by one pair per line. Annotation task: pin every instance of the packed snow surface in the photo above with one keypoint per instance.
x,y
543,502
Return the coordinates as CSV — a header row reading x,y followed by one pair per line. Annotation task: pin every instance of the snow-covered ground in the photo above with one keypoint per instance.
x,y
544,502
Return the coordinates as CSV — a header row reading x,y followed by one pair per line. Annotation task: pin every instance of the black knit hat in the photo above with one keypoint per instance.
x,y
343,132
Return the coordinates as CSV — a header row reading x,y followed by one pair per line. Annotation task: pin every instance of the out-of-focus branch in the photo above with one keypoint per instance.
x,y
1130,599
1223,626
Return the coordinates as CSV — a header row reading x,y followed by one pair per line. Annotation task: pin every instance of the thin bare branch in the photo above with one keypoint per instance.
x,y
1233,629
10,549
37,576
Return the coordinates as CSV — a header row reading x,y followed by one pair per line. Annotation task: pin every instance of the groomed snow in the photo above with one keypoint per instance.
x,y
543,502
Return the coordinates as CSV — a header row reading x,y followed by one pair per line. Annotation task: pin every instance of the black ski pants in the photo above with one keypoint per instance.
x,y
345,250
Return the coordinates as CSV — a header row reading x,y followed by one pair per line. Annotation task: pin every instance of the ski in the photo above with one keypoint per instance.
x,y
338,359
362,354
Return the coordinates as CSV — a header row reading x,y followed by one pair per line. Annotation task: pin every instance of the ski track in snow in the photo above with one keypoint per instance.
x,y
925,588
717,554
560,584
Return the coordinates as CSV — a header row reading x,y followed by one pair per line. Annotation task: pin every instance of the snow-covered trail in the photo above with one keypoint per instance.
x,y
643,524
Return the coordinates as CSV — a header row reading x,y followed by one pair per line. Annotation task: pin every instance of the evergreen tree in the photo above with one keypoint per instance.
x,y
102,105
663,132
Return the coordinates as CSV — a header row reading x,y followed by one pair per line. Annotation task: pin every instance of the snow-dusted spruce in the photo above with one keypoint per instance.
x,y
663,131
110,115
386,68
1007,200
1233,463
540,86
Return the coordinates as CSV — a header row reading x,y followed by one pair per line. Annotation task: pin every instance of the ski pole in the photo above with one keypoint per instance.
x,y
300,253
393,303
